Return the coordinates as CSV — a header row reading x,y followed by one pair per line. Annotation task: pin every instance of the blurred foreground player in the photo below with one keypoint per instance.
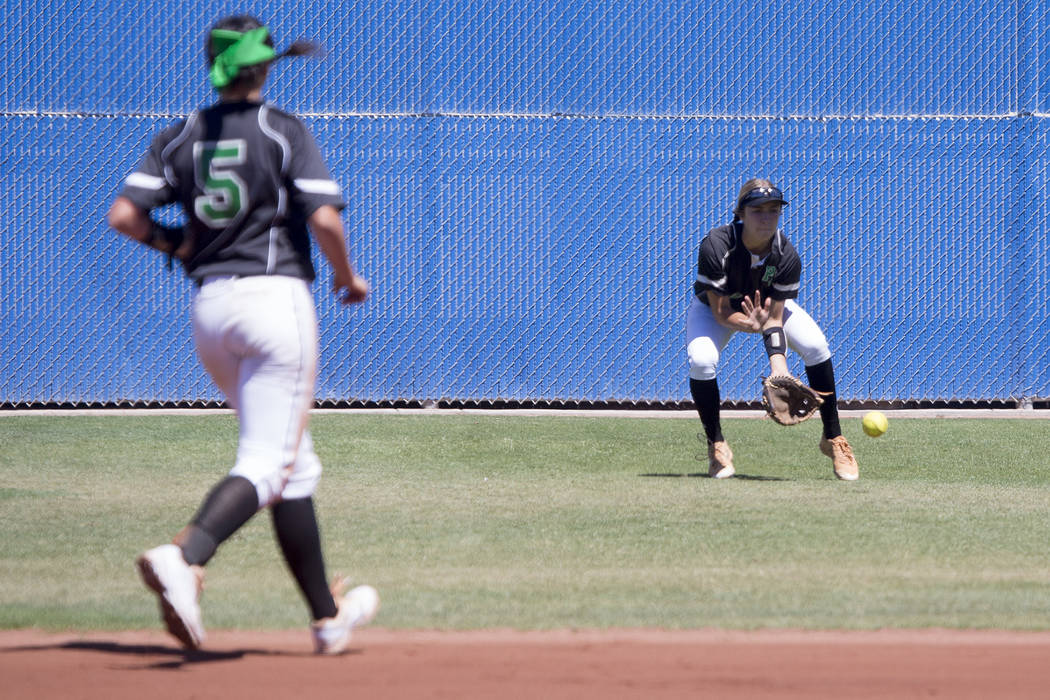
x,y
253,186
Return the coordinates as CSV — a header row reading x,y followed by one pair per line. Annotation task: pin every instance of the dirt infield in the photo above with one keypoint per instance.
x,y
549,665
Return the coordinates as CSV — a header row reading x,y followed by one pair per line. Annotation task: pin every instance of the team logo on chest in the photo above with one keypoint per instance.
x,y
768,275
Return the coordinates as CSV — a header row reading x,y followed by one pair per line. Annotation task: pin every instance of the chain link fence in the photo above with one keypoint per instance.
x,y
528,183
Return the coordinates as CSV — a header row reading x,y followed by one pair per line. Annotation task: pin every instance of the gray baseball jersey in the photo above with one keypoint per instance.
x,y
248,176
726,267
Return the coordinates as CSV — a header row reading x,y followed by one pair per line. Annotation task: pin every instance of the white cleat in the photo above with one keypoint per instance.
x,y
178,587
356,609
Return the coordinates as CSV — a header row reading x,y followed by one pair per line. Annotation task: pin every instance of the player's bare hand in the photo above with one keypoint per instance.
x,y
353,290
756,310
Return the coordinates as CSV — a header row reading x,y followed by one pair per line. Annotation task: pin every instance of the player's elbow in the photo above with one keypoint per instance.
x,y
123,215
326,221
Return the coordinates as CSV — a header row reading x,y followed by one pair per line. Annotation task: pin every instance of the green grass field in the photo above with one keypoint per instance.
x,y
467,521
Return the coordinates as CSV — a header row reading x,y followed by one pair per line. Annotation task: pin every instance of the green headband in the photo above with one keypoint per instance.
x,y
235,51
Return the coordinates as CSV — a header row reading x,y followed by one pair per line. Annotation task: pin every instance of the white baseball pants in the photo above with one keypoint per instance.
x,y
706,338
257,338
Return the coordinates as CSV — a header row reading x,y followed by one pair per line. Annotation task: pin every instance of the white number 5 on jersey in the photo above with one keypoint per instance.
x,y
225,194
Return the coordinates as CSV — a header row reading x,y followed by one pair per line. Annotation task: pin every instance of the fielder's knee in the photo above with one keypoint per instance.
x,y
304,478
815,355
703,359
267,475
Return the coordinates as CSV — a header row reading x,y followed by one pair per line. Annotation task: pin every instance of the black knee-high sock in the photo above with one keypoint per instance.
x,y
229,505
822,378
708,404
295,525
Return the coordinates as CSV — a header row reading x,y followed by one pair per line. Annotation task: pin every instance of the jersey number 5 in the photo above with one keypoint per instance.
x,y
225,194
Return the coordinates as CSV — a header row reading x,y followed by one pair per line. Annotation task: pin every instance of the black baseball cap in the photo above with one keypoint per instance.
x,y
761,195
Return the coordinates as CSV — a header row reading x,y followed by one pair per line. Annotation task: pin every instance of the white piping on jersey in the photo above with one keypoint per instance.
x,y
317,186
702,279
282,195
721,284
725,258
286,149
271,251
145,182
786,287
169,172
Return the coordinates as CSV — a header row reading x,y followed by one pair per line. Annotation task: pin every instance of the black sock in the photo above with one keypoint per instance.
x,y
708,404
229,505
822,378
295,525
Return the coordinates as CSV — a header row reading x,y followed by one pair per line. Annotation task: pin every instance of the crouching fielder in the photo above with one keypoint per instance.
x,y
253,186
747,280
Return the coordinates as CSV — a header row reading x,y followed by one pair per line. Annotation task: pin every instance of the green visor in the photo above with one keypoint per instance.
x,y
235,51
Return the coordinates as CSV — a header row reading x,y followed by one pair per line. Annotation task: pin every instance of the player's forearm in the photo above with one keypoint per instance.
x,y
737,321
778,364
333,247
727,316
125,217
327,229
777,359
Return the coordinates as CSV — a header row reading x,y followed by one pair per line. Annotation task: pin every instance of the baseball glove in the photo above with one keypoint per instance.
x,y
787,400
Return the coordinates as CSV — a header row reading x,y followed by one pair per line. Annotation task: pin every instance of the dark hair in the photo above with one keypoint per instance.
x,y
253,76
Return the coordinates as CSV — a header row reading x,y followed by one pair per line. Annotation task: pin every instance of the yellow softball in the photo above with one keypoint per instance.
x,y
875,423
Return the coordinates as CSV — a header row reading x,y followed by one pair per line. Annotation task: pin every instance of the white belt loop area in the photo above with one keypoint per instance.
x,y
209,279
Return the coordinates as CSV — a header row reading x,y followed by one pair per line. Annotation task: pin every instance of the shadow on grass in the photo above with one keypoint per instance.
x,y
703,475
176,657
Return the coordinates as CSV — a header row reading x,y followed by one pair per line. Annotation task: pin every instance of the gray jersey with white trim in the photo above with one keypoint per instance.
x,y
248,176
727,268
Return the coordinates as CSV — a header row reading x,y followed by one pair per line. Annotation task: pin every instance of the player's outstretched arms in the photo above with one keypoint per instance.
x,y
327,229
